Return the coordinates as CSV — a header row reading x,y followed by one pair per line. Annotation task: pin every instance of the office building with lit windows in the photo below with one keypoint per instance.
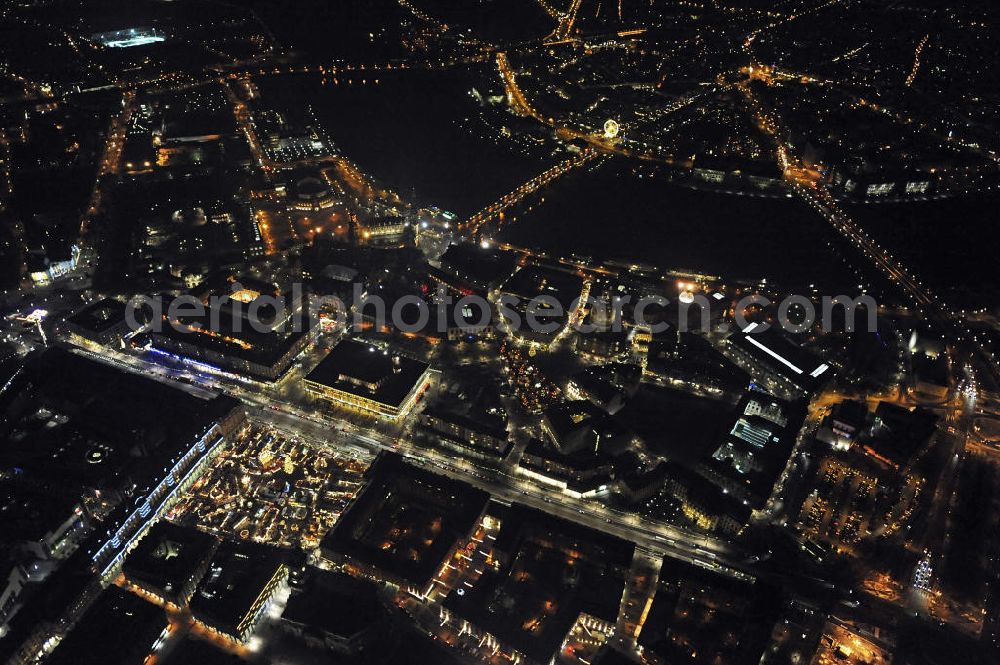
x,y
251,336
473,434
368,379
580,474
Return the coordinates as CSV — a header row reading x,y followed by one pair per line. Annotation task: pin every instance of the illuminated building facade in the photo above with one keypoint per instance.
x,y
368,379
466,434
103,323
251,337
46,267
129,37
169,562
241,581
311,194
579,475
704,503
386,230
181,475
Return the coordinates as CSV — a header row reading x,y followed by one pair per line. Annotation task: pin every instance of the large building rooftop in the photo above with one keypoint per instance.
x,y
405,522
251,336
577,425
794,365
336,604
756,447
534,281
367,376
548,572
120,628
702,617
229,595
99,316
676,423
169,559
898,434
476,266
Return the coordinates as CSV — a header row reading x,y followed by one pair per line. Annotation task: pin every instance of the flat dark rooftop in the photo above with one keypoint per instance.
x,y
700,617
610,656
676,423
236,575
71,453
532,281
899,433
694,358
552,571
191,123
599,389
931,370
193,651
31,510
787,359
168,556
478,265
406,520
416,648
568,417
337,604
99,316
854,412
353,366
118,629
